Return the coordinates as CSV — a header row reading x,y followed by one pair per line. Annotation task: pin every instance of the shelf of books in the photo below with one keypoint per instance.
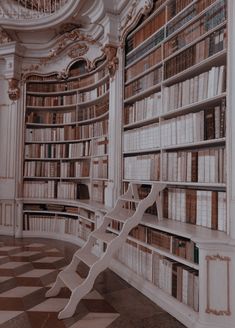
x,y
65,148
174,131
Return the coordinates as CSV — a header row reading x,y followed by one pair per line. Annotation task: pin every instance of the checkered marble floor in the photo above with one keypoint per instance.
x,y
28,267
26,273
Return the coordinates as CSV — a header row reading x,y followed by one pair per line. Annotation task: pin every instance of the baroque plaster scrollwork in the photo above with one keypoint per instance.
x,y
111,56
13,89
135,12
4,37
68,38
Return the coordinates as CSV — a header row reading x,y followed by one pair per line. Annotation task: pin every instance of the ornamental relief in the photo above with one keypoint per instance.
x,y
4,37
132,17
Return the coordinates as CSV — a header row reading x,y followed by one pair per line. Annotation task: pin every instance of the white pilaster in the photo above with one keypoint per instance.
x,y
115,129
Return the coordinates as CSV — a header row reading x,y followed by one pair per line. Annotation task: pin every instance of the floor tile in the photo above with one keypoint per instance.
x,y
96,320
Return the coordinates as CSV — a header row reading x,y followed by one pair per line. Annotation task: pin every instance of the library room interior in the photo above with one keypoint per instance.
x,y
117,163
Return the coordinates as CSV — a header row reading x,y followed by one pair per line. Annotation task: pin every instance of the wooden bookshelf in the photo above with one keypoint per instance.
x,y
65,149
174,131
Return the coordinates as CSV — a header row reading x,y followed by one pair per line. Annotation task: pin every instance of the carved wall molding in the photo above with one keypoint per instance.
x,y
13,89
219,258
133,16
110,52
4,37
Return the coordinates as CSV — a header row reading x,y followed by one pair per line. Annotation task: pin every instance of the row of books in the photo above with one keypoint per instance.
x,y
177,280
80,228
187,15
79,149
94,93
212,44
147,137
47,101
60,117
53,208
176,245
99,189
145,167
100,146
54,189
194,127
143,109
41,169
150,60
154,24
67,132
57,151
143,83
207,166
80,82
58,224
136,258
174,7
151,43
206,85
75,169
192,56
201,207
44,223
100,168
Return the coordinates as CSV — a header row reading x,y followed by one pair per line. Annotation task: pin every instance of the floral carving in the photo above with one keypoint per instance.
x,y
112,61
13,89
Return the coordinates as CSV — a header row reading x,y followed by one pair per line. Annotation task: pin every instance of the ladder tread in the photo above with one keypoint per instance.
x,y
87,257
71,279
130,199
122,215
107,237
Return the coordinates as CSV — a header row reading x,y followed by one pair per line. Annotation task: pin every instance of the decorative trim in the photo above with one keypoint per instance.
x,y
4,37
68,38
13,89
221,259
133,17
110,52
78,50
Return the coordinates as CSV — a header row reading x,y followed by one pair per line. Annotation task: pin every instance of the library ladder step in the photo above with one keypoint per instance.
x,y
113,232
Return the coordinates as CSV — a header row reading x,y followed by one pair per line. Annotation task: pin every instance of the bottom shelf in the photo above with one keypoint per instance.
x,y
180,311
6,230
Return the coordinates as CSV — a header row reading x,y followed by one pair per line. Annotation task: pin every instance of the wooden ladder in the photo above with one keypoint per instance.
x,y
68,277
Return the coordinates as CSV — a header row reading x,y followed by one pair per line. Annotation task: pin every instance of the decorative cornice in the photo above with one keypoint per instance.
x,y
110,52
134,14
13,89
4,37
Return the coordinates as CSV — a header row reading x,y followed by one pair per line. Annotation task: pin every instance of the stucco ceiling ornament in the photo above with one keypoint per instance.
x,y
4,37
111,56
67,39
41,5
13,89
133,16
78,50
